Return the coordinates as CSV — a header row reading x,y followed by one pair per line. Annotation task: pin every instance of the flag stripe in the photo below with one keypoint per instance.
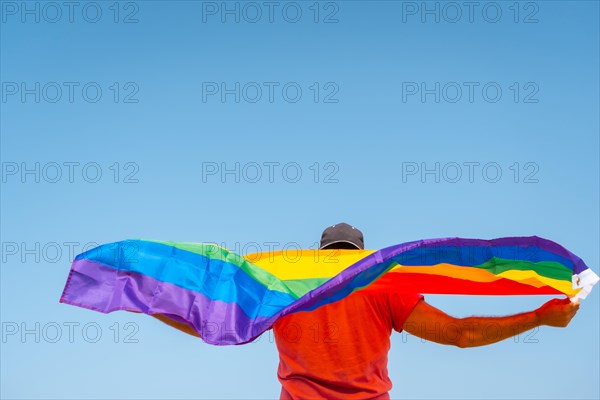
x,y
238,298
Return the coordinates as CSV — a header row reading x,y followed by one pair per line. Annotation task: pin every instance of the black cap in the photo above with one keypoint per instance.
x,y
342,233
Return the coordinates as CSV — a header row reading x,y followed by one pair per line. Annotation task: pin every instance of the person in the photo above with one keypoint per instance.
x,y
340,350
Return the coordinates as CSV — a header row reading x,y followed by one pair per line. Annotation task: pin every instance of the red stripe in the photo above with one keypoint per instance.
x,y
435,284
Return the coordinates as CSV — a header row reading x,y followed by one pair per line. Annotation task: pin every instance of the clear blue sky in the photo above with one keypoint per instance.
x,y
517,94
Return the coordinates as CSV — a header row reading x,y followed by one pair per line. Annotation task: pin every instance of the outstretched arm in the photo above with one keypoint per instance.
x,y
432,324
177,325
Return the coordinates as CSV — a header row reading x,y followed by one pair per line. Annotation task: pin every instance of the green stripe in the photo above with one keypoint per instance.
x,y
206,249
218,253
549,269
299,287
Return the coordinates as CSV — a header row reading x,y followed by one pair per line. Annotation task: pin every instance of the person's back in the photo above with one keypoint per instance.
x,y
340,350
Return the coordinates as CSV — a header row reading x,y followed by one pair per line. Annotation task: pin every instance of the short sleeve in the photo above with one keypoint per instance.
x,y
401,306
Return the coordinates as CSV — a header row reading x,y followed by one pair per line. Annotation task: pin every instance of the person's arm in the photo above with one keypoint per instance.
x,y
177,325
430,323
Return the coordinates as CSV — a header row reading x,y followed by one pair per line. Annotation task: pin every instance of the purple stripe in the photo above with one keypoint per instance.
x,y
106,289
97,287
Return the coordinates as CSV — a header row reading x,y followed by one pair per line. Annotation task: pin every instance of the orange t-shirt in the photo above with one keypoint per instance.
x,y
340,350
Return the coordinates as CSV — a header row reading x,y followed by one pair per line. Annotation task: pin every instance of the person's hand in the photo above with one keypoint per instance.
x,y
557,312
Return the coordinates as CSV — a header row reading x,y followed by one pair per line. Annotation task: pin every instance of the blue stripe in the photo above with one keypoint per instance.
x,y
477,255
216,279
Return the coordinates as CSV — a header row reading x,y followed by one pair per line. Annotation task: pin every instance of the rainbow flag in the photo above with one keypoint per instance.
x,y
227,299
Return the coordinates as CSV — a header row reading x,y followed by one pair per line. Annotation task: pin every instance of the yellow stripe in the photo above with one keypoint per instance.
x,y
306,264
